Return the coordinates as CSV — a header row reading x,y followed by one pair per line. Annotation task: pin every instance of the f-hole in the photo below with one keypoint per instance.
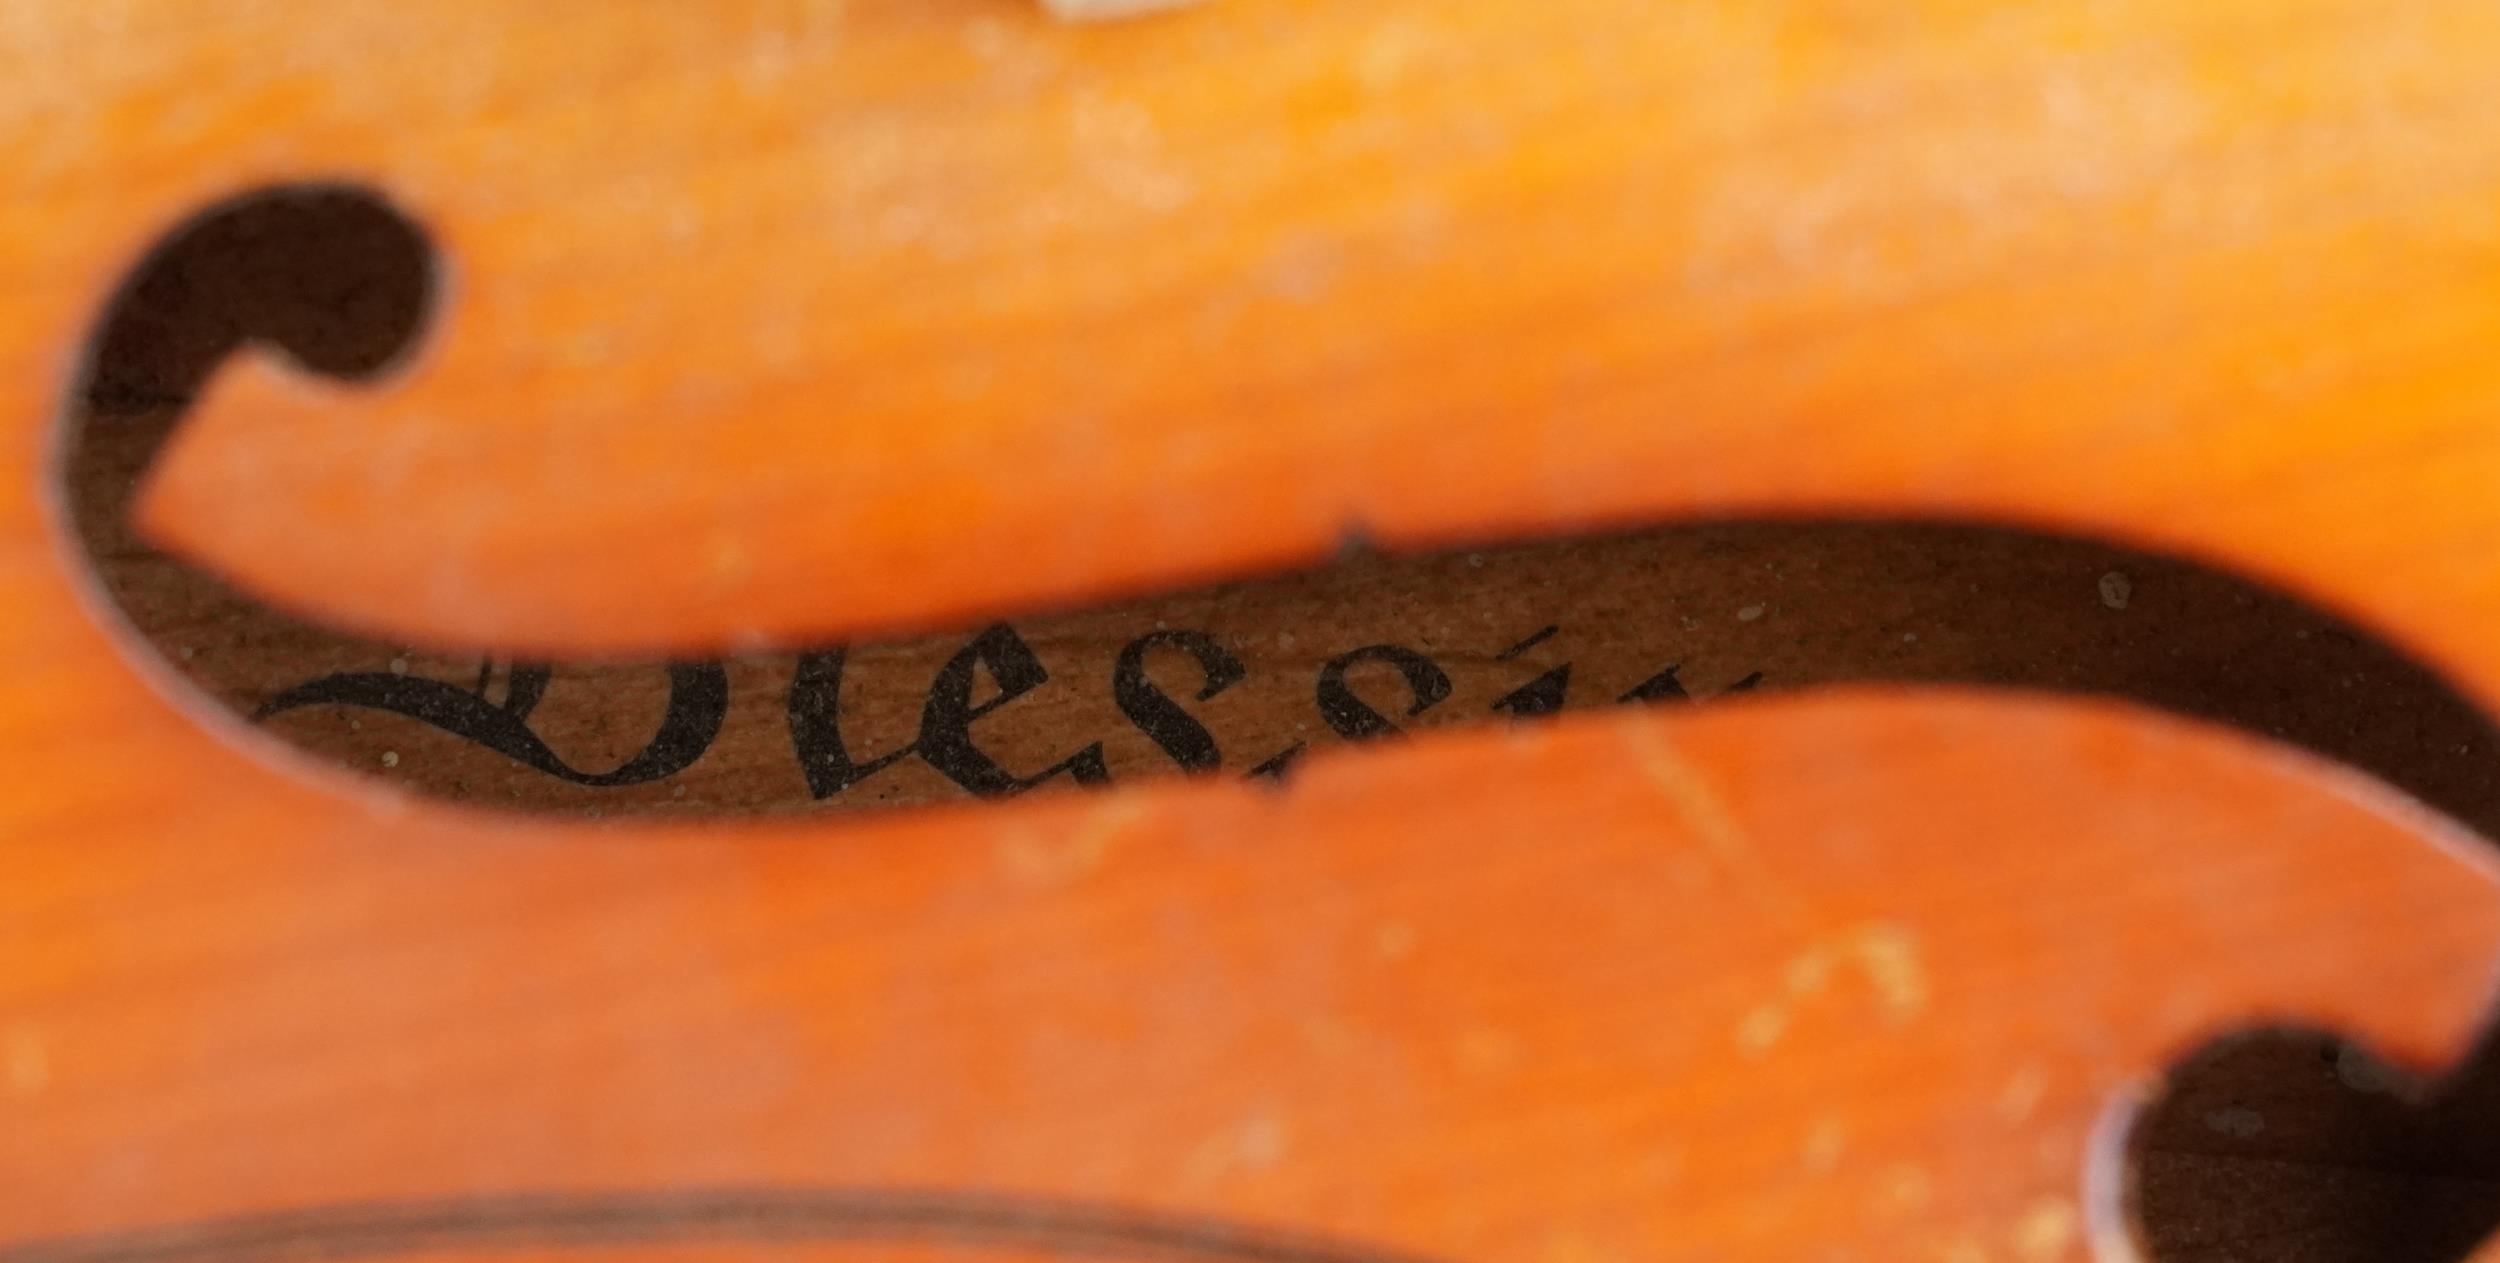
x,y
1245,678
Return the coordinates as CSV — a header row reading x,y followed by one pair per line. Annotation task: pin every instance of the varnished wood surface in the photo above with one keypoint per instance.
x,y
1708,990
1244,278
768,322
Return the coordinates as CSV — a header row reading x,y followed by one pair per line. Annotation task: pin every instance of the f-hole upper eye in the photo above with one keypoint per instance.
x,y
331,276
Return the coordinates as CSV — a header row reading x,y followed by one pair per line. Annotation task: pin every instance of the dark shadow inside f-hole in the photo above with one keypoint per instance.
x,y
2293,1146
331,275
1244,678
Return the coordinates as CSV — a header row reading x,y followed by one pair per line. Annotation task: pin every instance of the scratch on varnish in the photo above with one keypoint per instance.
x,y
2045,1231
29,1065
1701,810
1257,1143
2022,1094
1889,957
1884,954
1107,10
1904,1190
1081,851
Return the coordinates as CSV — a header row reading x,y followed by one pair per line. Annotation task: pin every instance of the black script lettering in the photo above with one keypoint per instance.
x,y
698,700
816,728
946,717
1662,687
1164,721
1538,697
1274,767
1353,718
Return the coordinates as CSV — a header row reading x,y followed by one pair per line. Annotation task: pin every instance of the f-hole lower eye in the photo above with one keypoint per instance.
x,y
2300,1146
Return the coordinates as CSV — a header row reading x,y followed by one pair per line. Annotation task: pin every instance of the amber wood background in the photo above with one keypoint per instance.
x,y
913,282
2300,1148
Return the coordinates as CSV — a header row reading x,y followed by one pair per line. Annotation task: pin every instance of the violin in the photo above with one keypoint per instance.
x,y
688,334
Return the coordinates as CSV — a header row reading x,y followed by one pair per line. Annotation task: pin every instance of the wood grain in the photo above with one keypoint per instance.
x,y
1243,278
778,322
1706,990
